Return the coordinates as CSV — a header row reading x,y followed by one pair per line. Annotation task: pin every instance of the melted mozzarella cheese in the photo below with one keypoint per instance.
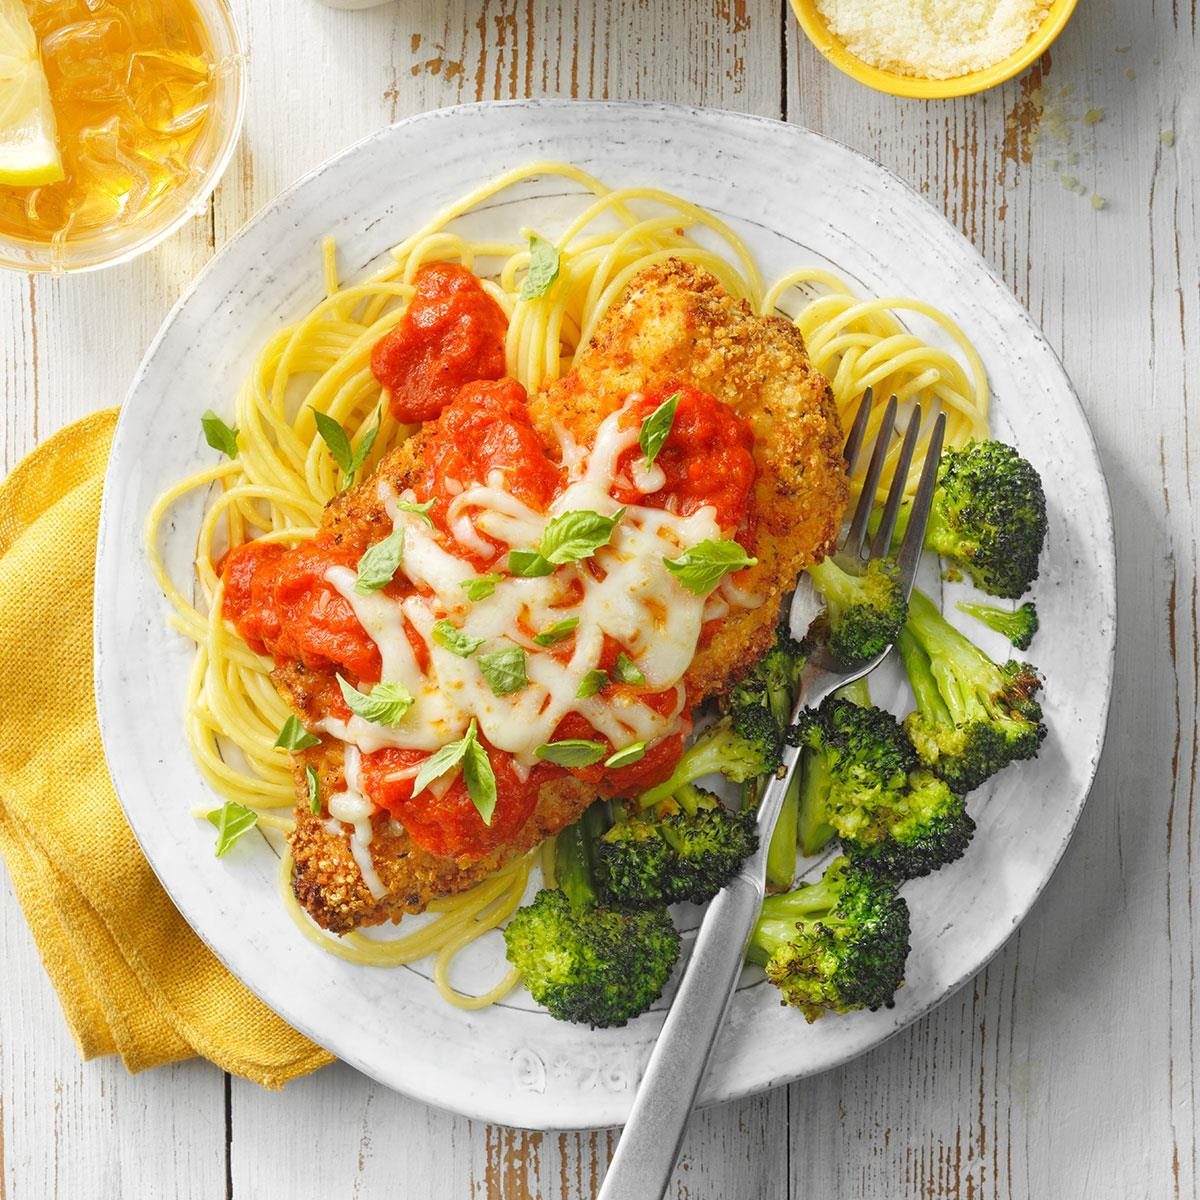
x,y
624,592
353,808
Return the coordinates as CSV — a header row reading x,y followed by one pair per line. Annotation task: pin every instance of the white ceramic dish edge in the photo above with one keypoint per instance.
x,y
615,1101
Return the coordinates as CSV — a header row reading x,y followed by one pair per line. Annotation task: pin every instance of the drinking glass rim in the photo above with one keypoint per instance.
x,y
34,256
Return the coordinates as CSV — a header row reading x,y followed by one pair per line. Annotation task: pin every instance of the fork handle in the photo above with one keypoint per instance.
x,y
645,1156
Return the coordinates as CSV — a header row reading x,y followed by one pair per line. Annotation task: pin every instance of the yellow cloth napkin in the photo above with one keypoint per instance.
x,y
133,978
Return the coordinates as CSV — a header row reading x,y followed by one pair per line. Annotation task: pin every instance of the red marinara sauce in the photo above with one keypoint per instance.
x,y
653,767
452,333
280,603
661,756
450,825
486,428
707,457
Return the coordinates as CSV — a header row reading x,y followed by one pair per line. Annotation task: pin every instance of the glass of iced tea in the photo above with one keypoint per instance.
x,y
147,97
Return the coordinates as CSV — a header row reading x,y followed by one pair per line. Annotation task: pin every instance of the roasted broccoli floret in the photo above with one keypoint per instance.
x,y
721,750
837,945
772,685
863,613
1018,625
988,517
686,848
973,717
581,960
862,782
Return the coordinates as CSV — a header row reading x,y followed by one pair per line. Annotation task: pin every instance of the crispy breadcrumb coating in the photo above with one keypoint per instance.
x,y
675,325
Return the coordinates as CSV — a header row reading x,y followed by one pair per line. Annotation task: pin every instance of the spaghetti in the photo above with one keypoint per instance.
x,y
277,487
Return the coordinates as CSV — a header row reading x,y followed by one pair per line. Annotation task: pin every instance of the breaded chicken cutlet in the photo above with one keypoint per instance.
x,y
674,326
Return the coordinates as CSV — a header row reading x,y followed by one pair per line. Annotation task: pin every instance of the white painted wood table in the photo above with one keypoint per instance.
x,y
1067,1068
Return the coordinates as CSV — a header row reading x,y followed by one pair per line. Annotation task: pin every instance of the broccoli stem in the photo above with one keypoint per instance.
x,y
777,919
834,584
858,692
822,896
688,798
750,792
813,829
769,935
953,656
781,853
704,757
782,703
573,856
920,677
1018,625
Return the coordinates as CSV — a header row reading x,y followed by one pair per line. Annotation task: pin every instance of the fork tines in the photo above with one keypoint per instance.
x,y
854,544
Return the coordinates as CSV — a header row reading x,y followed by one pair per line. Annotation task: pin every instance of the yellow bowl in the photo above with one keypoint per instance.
x,y
819,33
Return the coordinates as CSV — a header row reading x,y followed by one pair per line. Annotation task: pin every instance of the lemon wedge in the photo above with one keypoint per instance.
x,y
28,152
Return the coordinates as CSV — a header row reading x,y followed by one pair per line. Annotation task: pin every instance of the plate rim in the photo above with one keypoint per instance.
x,y
723,117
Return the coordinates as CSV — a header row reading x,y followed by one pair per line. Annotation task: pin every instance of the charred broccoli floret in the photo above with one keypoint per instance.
x,y
863,613
973,717
581,960
722,750
862,782
772,685
837,945
686,848
1018,625
988,517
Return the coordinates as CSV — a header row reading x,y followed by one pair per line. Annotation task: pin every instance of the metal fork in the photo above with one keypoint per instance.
x,y
645,1156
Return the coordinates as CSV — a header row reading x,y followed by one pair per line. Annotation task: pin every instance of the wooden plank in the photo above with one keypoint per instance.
x,y
1067,1067
390,62
70,346
75,1129
338,1131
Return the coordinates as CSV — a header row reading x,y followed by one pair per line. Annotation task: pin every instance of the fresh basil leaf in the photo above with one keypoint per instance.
x,y
656,427
421,508
702,567
627,756
593,682
504,670
453,639
574,535
481,587
543,268
627,671
338,441
574,752
293,736
379,565
445,759
557,632
336,438
364,448
480,780
232,821
528,564
385,704
314,790
219,435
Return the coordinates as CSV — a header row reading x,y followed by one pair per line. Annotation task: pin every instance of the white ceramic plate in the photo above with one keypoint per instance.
x,y
797,199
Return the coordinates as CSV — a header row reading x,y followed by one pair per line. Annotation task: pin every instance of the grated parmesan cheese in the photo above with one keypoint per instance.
x,y
933,39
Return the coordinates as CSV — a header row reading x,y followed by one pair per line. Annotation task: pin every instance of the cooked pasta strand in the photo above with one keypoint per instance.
x,y
284,475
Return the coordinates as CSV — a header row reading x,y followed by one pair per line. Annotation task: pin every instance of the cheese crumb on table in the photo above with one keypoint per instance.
x,y
933,39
